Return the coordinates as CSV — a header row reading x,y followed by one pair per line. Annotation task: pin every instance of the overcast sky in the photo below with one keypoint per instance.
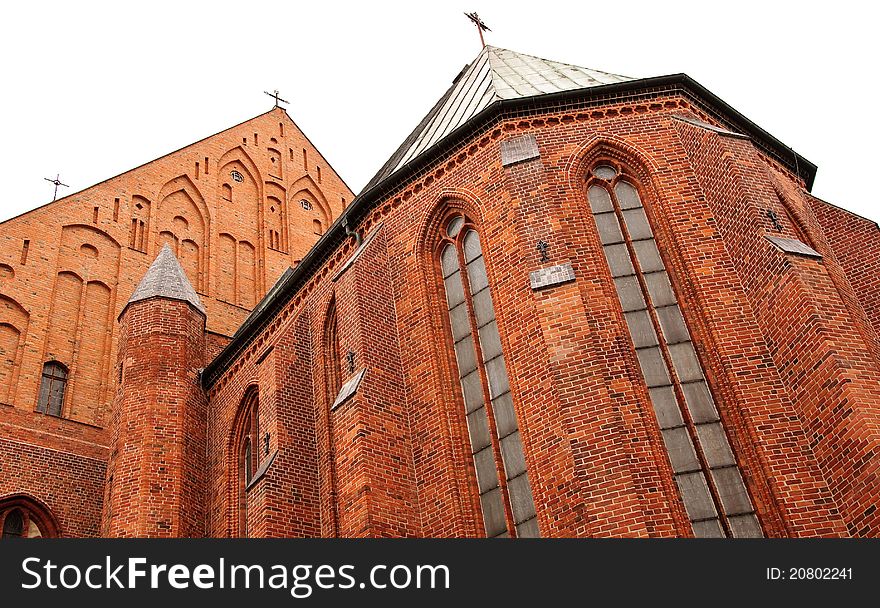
x,y
92,89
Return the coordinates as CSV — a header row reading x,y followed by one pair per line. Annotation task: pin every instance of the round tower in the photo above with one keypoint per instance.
x,y
155,478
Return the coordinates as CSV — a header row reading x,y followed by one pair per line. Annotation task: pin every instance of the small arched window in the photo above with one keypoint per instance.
x,y
247,455
21,517
52,387
318,227
502,480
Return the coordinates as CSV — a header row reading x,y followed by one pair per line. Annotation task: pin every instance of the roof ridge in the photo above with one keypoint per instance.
x,y
69,197
495,75
562,63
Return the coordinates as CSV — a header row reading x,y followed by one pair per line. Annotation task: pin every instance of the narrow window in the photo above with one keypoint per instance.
x,y
95,215
305,161
115,209
25,246
140,226
333,381
248,456
505,493
54,382
333,359
317,226
703,463
319,174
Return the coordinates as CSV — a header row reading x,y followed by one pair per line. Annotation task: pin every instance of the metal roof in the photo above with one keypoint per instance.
x,y
495,75
580,84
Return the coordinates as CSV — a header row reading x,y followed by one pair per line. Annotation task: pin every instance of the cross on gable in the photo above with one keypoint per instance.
x,y
277,96
57,182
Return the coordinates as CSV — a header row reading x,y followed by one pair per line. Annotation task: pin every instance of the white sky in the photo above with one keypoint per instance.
x,y
92,89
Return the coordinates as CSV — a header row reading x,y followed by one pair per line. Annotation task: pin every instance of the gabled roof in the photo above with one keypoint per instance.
x,y
495,75
166,279
498,82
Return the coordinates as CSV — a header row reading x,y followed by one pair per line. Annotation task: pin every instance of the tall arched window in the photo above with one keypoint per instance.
x,y
505,493
703,464
52,387
248,455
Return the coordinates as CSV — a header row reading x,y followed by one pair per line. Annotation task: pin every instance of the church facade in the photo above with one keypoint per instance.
x,y
572,304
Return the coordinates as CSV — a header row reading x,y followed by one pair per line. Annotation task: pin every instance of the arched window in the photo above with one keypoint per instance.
x,y
52,387
333,381
333,360
703,463
248,455
21,517
505,493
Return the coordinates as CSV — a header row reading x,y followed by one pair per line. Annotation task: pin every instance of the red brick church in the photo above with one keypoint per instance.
x,y
572,303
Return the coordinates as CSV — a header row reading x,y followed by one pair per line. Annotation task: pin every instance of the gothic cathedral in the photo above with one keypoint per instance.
x,y
571,304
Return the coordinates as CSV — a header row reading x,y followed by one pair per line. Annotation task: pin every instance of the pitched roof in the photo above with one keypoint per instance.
x,y
166,279
495,75
398,170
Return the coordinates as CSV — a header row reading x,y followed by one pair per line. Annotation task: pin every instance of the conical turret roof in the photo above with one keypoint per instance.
x,y
166,279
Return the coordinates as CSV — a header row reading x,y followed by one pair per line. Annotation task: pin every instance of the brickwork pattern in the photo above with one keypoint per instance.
x,y
595,457
788,343
68,268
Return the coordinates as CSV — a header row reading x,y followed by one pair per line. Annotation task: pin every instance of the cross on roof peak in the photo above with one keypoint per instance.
x,y
481,27
277,96
57,181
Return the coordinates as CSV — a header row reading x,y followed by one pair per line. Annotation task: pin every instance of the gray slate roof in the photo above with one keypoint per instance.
x,y
166,279
495,75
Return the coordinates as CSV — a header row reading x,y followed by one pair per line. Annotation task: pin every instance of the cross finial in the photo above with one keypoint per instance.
x,y
57,182
481,27
277,97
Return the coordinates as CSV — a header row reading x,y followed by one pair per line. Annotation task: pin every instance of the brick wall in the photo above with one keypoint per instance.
x,y
763,325
821,358
156,475
788,345
856,243
68,268
70,484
